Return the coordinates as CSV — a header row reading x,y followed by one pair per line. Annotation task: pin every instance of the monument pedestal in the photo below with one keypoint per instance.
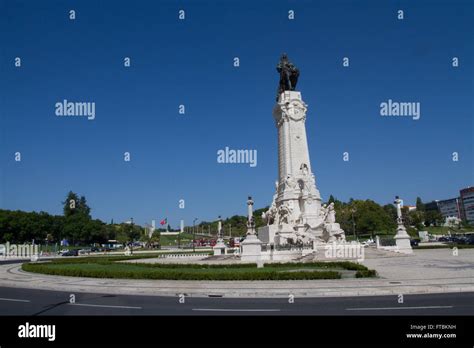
x,y
220,248
251,249
296,214
267,233
402,239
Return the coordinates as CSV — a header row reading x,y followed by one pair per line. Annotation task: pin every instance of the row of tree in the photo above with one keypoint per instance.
x,y
356,217
76,226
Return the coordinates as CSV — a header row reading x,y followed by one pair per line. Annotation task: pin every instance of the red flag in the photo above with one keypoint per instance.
x,y
164,221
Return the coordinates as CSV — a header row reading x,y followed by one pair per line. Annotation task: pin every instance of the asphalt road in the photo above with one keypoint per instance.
x,y
15,301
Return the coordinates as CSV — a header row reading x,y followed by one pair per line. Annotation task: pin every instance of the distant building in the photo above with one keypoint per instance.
x,y
450,208
467,204
431,206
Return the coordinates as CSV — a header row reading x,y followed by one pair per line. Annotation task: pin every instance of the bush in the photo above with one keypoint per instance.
x,y
446,246
109,260
176,274
108,267
369,273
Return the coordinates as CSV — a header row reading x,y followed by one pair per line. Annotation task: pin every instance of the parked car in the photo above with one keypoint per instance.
x,y
368,242
85,251
414,242
71,252
443,239
458,240
470,240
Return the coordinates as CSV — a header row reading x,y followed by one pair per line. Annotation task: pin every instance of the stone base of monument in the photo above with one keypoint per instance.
x,y
251,249
278,234
266,234
281,255
220,248
402,240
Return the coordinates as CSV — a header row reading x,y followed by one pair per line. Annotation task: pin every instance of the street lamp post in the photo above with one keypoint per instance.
x,y
194,234
131,236
353,223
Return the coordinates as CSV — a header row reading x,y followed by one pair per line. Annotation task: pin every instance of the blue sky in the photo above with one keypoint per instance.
x,y
190,62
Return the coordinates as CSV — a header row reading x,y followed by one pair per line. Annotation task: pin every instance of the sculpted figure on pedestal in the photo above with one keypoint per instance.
x,y
288,75
284,212
270,215
290,182
323,212
304,169
331,214
332,228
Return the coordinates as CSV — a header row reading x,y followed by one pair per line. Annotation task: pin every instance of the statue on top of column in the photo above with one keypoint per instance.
x,y
288,75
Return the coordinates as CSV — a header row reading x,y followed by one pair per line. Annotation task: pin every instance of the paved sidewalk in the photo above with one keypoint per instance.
x,y
426,271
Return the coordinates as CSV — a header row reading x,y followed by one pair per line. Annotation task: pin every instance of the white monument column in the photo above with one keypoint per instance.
x,y
295,215
402,238
251,247
220,248
298,198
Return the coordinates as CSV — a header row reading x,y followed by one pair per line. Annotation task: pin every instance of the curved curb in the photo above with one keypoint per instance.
x,y
13,276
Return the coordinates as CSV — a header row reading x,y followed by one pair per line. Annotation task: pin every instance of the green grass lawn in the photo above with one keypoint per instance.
x,y
445,230
108,267
437,229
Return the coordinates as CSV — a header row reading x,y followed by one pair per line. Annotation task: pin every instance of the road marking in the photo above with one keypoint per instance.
x,y
13,300
234,310
390,308
103,306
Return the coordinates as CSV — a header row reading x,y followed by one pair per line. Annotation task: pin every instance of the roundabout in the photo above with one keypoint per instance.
x,y
425,271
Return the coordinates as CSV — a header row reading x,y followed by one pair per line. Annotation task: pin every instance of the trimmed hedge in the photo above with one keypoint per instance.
x,y
174,274
369,273
108,267
446,246
107,260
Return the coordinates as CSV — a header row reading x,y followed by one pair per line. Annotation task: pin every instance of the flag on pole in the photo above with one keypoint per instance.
x,y
164,221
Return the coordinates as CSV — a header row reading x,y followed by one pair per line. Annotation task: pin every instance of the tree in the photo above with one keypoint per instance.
x,y
433,217
367,217
391,210
417,218
406,217
420,207
257,214
370,217
153,241
70,204
83,208
331,199
78,225
75,205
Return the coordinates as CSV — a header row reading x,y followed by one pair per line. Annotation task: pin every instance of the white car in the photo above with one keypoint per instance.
x,y
368,242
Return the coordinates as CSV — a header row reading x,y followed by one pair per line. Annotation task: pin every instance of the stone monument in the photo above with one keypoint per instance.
x,y
220,247
251,247
402,239
295,214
